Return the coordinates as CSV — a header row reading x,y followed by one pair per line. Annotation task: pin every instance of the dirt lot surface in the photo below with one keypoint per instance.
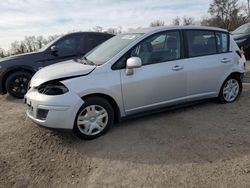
x,y
205,145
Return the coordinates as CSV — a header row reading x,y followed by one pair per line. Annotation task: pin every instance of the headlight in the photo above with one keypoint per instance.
x,y
52,88
240,40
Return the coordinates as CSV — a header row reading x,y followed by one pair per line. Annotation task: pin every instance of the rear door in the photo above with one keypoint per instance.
x,y
209,60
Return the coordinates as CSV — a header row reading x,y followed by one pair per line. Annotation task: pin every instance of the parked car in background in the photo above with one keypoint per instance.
x,y
16,71
136,72
241,36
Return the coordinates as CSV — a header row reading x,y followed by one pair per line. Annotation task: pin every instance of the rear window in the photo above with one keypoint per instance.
x,y
201,43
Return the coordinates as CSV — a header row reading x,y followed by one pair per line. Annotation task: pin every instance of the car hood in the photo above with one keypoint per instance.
x,y
238,36
60,71
20,56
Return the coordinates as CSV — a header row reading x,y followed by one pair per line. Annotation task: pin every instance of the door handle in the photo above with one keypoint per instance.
x,y
225,60
177,68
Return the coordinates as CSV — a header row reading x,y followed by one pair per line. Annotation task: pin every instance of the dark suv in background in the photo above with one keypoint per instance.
x,y
241,36
16,71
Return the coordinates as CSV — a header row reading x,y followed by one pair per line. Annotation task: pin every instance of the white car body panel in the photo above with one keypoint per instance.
x,y
58,71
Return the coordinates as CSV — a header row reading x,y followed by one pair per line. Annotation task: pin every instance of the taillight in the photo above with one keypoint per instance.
x,y
240,52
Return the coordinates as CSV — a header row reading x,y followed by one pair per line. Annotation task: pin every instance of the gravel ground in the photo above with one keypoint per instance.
x,y
204,145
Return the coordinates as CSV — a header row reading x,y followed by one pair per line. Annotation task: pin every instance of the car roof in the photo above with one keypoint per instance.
x,y
88,32
164,28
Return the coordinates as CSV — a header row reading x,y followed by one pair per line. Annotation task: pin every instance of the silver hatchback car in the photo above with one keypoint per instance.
x,y
136,72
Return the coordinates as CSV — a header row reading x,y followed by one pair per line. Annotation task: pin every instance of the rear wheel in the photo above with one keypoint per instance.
x,y
94,118
17,84
231,89
247,53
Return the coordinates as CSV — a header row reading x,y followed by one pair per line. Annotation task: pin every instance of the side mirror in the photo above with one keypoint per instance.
x,y
132,62
53,49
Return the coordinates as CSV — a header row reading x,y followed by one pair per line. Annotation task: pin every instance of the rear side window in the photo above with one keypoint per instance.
x,y
201,43
222,42
94,40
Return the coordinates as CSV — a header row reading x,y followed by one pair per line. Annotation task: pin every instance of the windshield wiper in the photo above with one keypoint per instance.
x,y
88,62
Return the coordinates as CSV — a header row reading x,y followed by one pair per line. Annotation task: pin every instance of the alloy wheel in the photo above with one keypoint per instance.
x,y
231,90
19,85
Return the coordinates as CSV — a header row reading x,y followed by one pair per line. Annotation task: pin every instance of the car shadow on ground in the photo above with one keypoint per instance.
x,y
9,98
201,133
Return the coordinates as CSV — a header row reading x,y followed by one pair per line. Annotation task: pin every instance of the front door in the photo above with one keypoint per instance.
x,y
162,78
69,47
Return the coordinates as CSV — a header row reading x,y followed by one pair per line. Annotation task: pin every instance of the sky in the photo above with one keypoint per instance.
x,y
20,18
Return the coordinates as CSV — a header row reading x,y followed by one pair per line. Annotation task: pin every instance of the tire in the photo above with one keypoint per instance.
x,y
94,118
247,54
17,84
230,89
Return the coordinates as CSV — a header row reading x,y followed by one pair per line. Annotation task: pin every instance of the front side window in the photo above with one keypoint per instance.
x,y
201,43
222,42
69,43
158,48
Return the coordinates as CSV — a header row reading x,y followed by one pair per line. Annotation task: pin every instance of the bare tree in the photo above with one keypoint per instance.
x,y
225,14
15,47
184,21
188,20
98,28
113,31
40,42
157,23
2,53
29,44
248,9
51,38
119,29
176,21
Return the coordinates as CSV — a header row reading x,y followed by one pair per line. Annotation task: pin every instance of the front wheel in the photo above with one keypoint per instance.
x,y
231,89
17,84
94,118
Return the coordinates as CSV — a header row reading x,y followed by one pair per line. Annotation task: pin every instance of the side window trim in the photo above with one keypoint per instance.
x,y
113,67
216,42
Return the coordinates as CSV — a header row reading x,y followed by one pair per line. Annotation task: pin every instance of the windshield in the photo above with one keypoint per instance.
x,y
244,29
49,44
110,48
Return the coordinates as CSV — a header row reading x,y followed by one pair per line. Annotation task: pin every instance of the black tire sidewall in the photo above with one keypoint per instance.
x,y
221,96
247,55
94,101
11,78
